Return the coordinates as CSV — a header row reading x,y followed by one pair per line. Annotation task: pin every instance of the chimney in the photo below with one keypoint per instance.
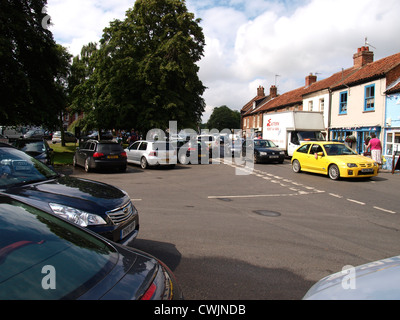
x,y
273,91
310,79
363,57
260,91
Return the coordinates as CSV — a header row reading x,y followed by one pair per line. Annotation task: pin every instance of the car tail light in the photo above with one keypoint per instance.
x,y
153,153
123,154
191,149
149,292
98,155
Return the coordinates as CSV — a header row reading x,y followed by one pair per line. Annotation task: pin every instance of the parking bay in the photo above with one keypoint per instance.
x,y
267,234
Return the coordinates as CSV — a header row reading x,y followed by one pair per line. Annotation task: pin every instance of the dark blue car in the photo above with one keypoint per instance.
x,y
99,207
43,257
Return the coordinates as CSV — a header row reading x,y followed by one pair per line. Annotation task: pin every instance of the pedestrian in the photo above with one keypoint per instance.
x,y
376,148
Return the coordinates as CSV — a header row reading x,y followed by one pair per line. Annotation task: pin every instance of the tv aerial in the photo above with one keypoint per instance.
x,y
368,44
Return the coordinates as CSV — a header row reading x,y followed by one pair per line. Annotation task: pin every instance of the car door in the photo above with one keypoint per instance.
x,y
316,161
131,151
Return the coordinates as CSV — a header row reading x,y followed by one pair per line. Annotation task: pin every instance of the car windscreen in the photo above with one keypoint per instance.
x,y
338,150
17,167
44,257
107,148
264,144
32,148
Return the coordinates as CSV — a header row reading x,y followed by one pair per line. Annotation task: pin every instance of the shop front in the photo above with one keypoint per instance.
x,y
355,137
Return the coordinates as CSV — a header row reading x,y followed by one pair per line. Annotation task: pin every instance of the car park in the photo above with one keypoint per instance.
x,y
334,159
37,148
103,154
151,153
68,137
100,207
265,151
192,151
39,252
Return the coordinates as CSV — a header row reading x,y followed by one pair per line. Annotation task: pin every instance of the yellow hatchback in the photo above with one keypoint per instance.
x,y
334,159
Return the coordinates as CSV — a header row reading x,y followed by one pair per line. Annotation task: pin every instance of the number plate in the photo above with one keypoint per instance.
x,y
367,170
127,230
274,157
112,157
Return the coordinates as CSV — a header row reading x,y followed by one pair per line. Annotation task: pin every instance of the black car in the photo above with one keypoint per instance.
x,y
265,151
99,207
103,154
37,148
191,151
43,257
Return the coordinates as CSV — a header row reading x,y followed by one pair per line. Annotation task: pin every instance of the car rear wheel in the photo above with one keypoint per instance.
x,y
296,166
334,172
143,163
87,165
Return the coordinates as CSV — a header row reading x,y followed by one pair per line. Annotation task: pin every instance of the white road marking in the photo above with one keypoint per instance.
x,y
358,202
384,210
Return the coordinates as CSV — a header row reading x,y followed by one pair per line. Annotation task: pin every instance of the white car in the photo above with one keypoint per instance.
x,y
151,153
68,137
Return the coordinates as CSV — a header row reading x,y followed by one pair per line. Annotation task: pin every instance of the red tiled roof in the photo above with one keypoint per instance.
x,y
394,89
372,70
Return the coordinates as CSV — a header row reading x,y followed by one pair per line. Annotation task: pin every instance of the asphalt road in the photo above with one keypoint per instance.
x,y
263,233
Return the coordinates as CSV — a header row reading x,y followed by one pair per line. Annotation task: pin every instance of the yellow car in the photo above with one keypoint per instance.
x,y
334,159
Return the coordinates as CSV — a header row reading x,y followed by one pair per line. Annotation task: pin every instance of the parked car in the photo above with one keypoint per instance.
x,y
104,135
43,257
37,148
99,207
232,147
211,141
265,151
68,137
191,151
38,133
103,154
334,159
151,153
378,280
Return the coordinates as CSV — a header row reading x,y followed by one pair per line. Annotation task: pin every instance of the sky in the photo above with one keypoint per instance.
x,y
252,43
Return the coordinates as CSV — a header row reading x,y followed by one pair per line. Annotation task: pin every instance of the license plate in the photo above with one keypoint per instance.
x,y
367,170
127,230
274,157
112,157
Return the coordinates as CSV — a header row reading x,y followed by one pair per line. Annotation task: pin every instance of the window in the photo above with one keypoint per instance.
x,y
304,148
321,104
369,104
392,143
343,103
310,105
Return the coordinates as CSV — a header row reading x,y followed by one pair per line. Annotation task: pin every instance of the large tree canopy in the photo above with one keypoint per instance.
x,y
33,67
144,72
224,118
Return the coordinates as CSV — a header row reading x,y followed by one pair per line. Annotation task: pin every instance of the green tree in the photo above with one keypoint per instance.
x,y
33,66
224,118
144,73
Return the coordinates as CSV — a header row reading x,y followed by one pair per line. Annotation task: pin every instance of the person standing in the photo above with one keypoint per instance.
x,y
376,148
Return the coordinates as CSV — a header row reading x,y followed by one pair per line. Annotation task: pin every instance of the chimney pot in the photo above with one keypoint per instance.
x,y
363,57
273,92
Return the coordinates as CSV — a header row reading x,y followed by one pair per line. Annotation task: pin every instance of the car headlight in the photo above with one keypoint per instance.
x,y
352,165
77,216
281,152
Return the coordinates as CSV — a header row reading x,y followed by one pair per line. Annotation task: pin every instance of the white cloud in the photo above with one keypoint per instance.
x,y
248,42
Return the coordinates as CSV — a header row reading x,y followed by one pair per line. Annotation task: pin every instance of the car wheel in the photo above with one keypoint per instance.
x,y
334,172
296,166
183,159
87,165
143,163
74,163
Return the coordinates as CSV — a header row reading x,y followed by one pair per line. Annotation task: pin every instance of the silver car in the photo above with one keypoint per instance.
x,y
151,153
378,280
